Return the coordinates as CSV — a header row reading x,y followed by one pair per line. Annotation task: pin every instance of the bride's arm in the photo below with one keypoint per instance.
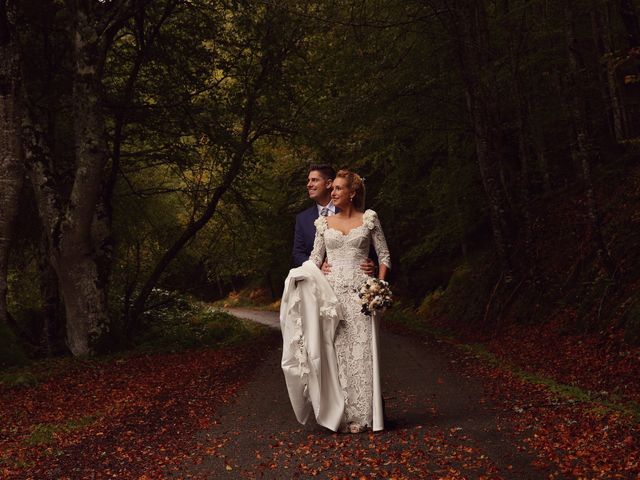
x,y
382,250
382,273
319,249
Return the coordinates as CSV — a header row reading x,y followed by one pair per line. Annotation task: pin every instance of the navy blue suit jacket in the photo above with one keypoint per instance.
x,y
304,236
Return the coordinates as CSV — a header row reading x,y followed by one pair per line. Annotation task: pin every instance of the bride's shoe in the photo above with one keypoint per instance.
x,y
355,428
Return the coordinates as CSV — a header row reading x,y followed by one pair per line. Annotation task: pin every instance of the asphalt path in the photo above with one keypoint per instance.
x,y
440,424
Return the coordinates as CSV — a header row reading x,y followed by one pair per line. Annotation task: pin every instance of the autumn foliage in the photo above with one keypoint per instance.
x,y
122,418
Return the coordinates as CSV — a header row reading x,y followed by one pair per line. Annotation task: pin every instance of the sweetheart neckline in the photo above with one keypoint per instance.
x,y
341,232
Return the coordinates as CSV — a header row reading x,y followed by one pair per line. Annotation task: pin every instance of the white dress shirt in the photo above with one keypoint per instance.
x,y
330,206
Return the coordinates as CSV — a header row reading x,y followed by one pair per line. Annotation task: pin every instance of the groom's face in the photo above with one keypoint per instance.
x,y
318,187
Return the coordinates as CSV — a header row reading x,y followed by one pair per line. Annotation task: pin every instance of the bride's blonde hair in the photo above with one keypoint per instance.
x,y
356,185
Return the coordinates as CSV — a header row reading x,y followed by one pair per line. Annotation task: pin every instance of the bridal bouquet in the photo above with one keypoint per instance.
x,y
375,295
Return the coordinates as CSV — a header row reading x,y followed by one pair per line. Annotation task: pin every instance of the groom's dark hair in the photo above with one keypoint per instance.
x,y
327,171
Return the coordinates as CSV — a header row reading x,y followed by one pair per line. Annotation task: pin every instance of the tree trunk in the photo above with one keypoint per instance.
x,y
521,93
68,224
524,150
51,305
630,21
540,152
11,164
70,254
451,155
74,259
78,224
490,180
606,76
475,63
584,148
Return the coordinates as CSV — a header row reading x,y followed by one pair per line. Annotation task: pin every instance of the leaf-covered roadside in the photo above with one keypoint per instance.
x,y
566,437
570,437
149,416
573,399
601,362
122,418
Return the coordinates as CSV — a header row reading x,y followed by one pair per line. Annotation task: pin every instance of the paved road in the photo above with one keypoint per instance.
x,y
440,425
260,316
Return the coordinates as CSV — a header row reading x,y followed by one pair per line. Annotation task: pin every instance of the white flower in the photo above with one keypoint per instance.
x,y
368,219
321,224
375,295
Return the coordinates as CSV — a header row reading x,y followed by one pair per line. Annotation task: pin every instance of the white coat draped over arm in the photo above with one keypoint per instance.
x,y
309,316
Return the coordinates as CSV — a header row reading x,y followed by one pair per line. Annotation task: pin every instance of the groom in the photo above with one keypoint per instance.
x,y
319,184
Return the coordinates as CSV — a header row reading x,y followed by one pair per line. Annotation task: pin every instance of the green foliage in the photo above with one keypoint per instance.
x,y
380,86
430,303
177,323
225,91
406,317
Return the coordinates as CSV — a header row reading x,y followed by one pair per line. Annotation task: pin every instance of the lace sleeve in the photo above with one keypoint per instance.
x,y
377,237
319,249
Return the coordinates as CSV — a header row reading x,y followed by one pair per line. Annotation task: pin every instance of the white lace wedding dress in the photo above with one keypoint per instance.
x,y
356,336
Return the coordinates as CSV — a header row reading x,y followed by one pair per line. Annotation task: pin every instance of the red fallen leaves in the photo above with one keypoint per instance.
x,y
569,437
140,415
601,363
403,453
144,413
573,437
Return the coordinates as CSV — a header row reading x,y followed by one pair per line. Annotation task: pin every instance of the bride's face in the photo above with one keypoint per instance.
x,y
341,193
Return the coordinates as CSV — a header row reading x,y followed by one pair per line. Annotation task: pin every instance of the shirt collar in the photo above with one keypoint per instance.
x,y
330,206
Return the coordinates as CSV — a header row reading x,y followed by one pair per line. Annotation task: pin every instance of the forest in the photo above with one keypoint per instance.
x,y
154,155
153,146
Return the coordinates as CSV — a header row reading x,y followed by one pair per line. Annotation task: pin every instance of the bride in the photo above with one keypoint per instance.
x,y
340,378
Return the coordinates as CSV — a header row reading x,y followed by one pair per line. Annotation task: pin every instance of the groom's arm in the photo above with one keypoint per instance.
x,y
370,265
300,254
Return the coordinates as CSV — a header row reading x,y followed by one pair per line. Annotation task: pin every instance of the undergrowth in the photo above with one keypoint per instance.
x,y
174,323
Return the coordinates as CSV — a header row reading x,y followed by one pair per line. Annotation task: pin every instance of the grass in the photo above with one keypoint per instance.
x,y
34,372
407,318
44,433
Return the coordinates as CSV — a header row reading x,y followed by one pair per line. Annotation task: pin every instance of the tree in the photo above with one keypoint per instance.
x,y
583,145
69,218
11,162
